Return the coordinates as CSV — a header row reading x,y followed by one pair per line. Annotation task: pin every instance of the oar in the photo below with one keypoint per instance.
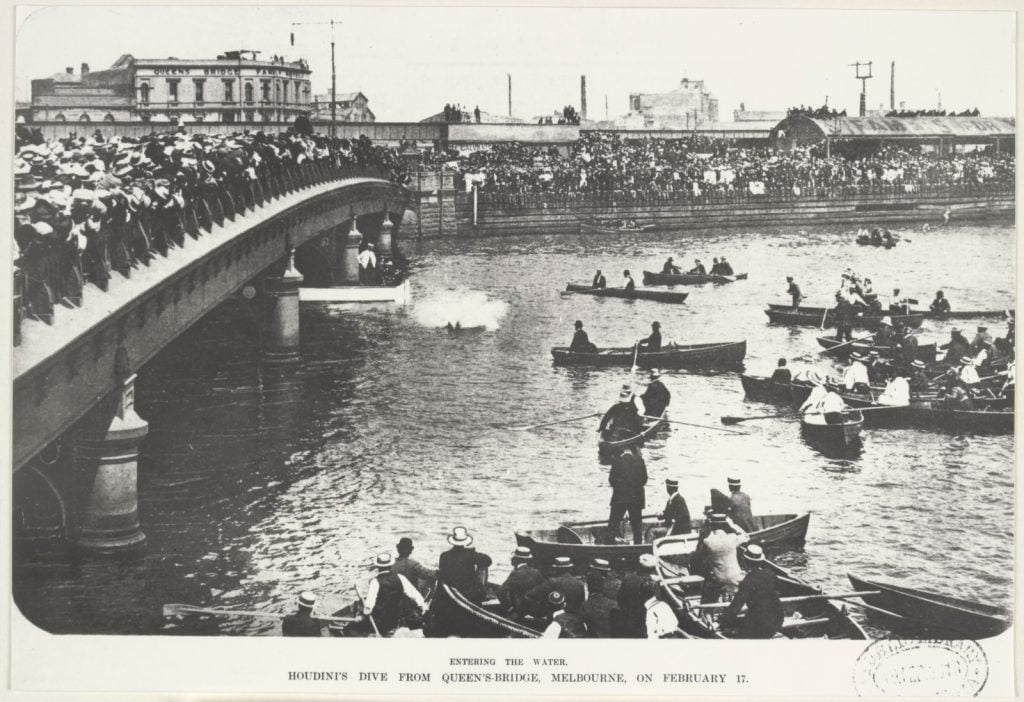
x,y
799,598
368,615
559,421
823,315
690,424
846,343
736,420
176,610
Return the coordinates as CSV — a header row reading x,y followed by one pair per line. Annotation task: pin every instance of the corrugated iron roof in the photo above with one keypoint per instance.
x,y
881,127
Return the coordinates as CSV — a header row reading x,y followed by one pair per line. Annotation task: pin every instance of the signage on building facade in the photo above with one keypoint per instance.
x,y
222,71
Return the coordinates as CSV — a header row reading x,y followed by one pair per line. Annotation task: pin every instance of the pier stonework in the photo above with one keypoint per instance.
x,y
281,342
109,507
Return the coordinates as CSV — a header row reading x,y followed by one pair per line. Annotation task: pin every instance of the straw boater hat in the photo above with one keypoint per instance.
x,y
562,563
600,565
671,482
886,321
754,553
734,481
919,364
626,394
523,553
460,537
384,561
655,373
717,518
967,360
647,561
307,600
857,356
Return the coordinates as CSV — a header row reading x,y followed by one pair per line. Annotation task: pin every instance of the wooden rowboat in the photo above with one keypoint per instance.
x,y
925,352
967,314
651,278
634,294
947,617
819,317
584,541
601,229
924,412
812,619
714,355
867,241
841,435
471,620
609,441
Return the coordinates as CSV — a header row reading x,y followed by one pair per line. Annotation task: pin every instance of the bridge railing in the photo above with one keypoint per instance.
x,y
52,272
717,195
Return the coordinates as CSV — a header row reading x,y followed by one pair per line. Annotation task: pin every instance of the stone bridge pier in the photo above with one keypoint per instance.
x,y
332,259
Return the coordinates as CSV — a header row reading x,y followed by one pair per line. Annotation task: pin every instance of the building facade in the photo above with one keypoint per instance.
x,y
686,107
350,107
234,87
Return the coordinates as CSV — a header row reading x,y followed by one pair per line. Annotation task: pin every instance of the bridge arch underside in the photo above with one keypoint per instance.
x,y
65,370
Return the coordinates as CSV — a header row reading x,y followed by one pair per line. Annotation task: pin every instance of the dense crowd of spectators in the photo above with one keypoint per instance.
x,y
823,112
569,115
932,113
453,113
85,207
607,163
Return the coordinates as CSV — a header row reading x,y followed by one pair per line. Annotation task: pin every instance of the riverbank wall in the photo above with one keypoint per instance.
x,y
441,210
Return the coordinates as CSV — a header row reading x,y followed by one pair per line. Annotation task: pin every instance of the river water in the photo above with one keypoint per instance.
x,y
258,482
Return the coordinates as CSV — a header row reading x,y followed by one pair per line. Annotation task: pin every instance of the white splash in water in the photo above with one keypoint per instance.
x,y
470,308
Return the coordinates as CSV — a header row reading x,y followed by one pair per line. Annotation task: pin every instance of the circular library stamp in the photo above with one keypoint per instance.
x,y
921,668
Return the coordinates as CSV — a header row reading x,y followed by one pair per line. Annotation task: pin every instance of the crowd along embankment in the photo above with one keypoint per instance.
x,y
454,213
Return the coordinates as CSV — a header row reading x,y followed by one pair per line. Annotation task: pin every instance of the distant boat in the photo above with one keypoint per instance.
x,y
605,229
634,294
689,278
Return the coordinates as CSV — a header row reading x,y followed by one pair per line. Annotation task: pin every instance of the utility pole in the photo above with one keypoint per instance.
x,y
606,107
583,97
892,86
509,96
334,75
862,76
239,52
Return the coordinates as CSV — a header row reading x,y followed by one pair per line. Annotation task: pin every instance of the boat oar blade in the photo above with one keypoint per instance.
x,y
736,420
557,421
691,424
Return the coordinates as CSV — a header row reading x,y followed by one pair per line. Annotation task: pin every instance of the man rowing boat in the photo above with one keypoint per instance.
x,y
580,341
824,402
630,285
940,305
653,342
622,419
855,377
670,268
599,280
698,269
656,396
759,592
724,268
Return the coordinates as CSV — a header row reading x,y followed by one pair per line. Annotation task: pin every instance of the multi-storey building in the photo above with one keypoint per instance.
x,y
349,107
234,87
689,105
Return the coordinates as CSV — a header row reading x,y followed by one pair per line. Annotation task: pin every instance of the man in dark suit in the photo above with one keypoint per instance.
x,y
676,515
630,283
628,476
597,609
463,567
561,580
599,280
739,506
652,342
580,340
523,578
759,591
656,397
622,419
301,623
782,376
670,268
698,269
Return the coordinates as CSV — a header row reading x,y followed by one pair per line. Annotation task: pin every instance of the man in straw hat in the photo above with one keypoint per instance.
x,y
391,597
759,593
855,377
956,347
676,516
301,622
523,578
463,567
656,396
740,510
565,624
562,580
622,420
920,381
596,610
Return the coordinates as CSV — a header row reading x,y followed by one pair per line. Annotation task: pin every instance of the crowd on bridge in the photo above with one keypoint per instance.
x,y
88,206
608,163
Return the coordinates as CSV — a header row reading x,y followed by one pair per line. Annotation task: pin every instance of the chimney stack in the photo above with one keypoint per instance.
x,y
583,97
892,87
85,69
70,71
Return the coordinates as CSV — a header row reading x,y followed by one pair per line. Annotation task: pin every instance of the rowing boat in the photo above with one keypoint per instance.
x,y
634,294
943,614
610,440
584,541
599,229
842,434
925,352
966,314
819,618
819,317
714,355
923,412
689,278
467,619
867,241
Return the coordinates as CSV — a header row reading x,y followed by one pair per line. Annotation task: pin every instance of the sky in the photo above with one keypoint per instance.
x,y
410,61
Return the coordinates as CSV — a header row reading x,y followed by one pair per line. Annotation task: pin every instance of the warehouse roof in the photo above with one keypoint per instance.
x,y
916,127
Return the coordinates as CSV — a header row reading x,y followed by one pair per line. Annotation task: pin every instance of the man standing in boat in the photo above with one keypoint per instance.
x,y
653,342
622,420
628,476
794,292
367,266
599,281
739,506
670,268
301,623
676,516
580,340
630,284
759,591
656,397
